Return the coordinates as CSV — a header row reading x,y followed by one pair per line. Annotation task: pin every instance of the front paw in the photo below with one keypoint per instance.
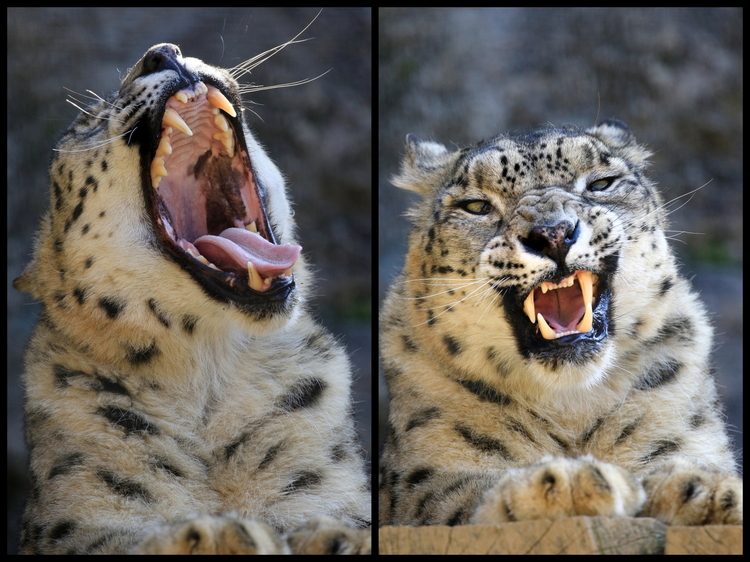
x,y
558,487
326,535
681,493
213,534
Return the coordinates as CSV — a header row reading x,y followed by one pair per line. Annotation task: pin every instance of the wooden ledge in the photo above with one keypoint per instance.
x,y
575,535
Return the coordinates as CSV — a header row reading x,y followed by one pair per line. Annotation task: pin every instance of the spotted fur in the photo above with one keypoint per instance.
x,y
490,421
169,409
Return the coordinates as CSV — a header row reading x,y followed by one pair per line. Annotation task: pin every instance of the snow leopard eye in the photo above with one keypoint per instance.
x,y
476,207
601,184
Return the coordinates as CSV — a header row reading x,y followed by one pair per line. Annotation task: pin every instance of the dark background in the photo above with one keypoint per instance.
x,y
450,75
319,134
456,76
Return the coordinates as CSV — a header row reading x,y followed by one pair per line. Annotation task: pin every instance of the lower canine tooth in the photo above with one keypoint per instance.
x,y
254,280
547,332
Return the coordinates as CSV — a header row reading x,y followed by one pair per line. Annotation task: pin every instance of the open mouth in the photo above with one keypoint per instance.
x,y
207,205
567,320
563,308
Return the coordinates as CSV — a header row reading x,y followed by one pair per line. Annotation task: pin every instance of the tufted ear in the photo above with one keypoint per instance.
x,y
425,165
618,136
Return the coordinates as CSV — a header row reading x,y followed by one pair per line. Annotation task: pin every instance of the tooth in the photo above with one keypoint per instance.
x,y
528,307
173,119
288,272
181,96
545,286
585,280
221,122
254,280
547,332
201,258
158,171
217,99
165,146
227,139
252,227
587,322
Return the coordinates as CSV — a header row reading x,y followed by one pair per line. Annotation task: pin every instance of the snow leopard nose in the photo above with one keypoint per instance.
x,y
168,57
553,241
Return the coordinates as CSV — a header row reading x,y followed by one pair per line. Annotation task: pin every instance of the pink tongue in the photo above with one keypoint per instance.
x,y
233,248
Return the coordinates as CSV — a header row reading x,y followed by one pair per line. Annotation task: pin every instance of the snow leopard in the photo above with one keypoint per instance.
x,y
179,396
543,354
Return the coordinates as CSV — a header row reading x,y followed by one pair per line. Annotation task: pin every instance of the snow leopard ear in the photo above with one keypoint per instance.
x,y
424,166
618,136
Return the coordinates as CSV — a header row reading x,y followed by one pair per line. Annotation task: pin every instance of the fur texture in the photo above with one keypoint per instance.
x,y
169,407
493,421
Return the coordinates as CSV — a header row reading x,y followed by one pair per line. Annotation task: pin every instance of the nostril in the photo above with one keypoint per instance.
x,y
552,241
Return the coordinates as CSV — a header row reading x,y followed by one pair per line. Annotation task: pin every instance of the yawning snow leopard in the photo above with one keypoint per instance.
x,y
179,398
543,355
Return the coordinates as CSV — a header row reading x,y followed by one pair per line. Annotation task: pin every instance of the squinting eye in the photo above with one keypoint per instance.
x,y
476,207
601,185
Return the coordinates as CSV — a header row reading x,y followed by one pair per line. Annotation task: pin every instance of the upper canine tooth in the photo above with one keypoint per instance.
x,y
585,280
173,119
528,307
252,227
217,99
587,322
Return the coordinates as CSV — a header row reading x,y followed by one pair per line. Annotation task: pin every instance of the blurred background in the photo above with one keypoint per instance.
x,y
319,134
450,75
456,76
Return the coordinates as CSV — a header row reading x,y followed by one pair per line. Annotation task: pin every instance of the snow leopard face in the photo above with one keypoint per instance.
x,y
523,241
183,179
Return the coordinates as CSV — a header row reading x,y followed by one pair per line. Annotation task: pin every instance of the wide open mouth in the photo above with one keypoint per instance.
x,y
568,319
206,203
563,308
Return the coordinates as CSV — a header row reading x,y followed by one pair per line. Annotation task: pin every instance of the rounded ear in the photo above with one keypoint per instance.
x,y
424,166
613,133
618,136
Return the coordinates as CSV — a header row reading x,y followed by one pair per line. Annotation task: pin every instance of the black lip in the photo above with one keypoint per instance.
x,y
223,286
576,348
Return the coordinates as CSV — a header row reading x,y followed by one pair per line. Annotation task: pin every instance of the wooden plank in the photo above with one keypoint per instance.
x,y
574,535
710,539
